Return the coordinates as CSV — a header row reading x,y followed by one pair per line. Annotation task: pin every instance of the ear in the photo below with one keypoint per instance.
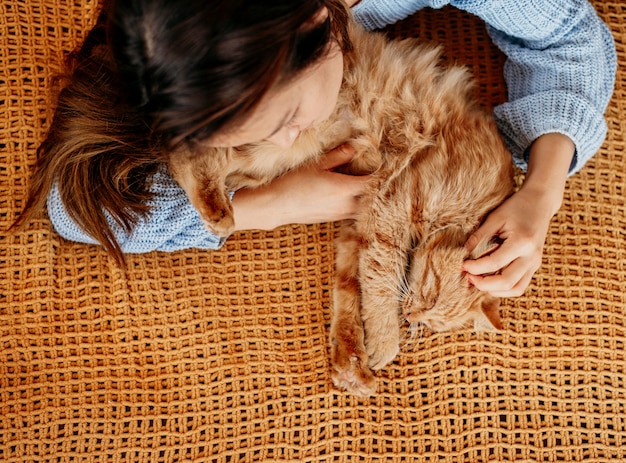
x,y
488,318
485,247
451,236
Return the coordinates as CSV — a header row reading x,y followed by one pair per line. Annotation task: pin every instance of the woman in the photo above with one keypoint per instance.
x,y
222,72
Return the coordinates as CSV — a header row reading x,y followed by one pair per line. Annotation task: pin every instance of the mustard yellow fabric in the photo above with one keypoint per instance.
x,y
223,356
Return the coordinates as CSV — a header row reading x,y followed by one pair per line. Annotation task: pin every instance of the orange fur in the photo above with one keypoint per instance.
x,y
438,168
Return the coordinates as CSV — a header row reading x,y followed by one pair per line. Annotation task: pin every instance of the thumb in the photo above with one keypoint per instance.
x,y
337,157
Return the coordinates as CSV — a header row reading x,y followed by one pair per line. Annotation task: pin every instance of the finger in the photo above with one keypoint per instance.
x,y
356,182
493,262
511,282
337,157
517,290
486,231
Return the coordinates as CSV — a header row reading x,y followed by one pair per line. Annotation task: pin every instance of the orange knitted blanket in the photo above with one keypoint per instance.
x,y
222,356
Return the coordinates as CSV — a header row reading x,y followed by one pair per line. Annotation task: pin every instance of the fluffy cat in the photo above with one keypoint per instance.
x,y
438,168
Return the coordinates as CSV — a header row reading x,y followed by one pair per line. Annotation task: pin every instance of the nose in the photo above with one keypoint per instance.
x,y
415,317
285,137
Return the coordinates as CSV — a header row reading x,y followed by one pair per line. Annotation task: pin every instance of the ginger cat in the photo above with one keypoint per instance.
x,y
438,168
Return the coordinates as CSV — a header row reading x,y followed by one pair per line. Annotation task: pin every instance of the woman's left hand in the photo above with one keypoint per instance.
x,y
522,221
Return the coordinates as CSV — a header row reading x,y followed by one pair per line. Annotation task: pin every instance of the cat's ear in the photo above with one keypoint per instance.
x,y
485,247
451,236
488,315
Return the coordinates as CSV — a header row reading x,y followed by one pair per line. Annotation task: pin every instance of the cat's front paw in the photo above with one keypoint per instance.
x,y
222,228
350,370
381,351
218,221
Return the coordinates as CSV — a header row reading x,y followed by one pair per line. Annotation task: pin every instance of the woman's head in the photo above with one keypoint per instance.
x,y
287,109
200,68
155,74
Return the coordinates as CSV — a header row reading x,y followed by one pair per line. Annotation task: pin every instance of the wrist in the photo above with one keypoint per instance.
x,y
250,210
548,167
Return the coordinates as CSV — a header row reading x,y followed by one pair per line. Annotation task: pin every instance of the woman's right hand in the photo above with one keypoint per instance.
x,y
313,193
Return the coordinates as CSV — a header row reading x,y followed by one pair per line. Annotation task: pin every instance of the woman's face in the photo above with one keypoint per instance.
x,y
289,109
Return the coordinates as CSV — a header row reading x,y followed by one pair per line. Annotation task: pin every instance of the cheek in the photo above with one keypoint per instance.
x,y
327,109
334,85
328,90
322,105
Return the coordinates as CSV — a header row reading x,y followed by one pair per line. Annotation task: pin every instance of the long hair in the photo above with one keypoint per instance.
x,y
154,75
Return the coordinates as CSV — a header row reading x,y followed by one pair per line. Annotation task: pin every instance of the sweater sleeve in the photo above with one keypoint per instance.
x,y
173,223
560,67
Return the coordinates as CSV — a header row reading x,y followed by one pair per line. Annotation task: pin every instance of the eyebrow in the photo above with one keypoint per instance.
x,y
285,119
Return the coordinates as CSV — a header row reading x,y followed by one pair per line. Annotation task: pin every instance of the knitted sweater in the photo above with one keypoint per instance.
x,y
560,74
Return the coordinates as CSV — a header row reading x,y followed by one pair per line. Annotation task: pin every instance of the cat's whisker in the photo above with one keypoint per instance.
x,y
391,288
415,332
404,284
404,290
404,299
389,283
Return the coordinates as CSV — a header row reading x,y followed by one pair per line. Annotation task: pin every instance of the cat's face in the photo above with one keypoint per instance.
x,y
438,294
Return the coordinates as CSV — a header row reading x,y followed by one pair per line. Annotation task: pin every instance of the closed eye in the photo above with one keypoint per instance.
x,y
293,118
286,121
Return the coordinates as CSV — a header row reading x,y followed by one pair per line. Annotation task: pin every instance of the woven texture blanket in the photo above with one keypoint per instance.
x,y
223,356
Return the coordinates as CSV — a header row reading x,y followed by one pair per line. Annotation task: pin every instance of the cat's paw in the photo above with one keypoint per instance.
x,y
222,228
381,352
355,378
218,221
350,371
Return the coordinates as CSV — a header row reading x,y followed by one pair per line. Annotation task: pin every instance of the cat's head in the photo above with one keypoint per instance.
x,y
438,293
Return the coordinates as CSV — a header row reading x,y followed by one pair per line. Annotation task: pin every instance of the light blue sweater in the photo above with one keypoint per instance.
x,y
560,74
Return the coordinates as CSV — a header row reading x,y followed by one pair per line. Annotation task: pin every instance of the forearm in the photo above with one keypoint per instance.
x,y
172,224
560,69
313,193
250,208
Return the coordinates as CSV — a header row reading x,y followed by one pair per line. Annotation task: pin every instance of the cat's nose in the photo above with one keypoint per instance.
x,y
417,316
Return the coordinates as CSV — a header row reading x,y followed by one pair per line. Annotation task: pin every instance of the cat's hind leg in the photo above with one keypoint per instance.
x,y
348,356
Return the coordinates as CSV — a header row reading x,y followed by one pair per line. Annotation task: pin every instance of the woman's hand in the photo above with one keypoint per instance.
x,y
522,221
313,193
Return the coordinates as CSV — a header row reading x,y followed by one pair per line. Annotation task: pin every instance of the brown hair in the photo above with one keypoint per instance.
x,y
153,75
